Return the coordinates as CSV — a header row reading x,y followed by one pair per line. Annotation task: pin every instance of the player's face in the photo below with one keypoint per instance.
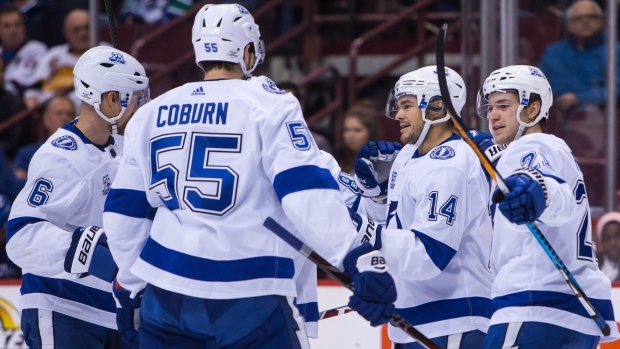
x,y
502,116
409,117
610,241
355,135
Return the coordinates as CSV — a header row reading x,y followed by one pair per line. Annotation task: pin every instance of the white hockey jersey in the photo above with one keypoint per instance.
x,y
68,180
438,239
217,158
528,287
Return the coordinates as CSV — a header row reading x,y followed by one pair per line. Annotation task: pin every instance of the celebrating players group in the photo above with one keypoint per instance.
x,y
143,220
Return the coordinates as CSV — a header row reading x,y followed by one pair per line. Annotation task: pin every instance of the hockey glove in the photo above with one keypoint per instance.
x,y
373,165
485,141
127,314
89,254
527,198
367,229
375,292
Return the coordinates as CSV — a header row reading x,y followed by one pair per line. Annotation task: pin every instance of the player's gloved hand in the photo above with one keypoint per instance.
x,y
485,141
373,165
127,314
527,198
89,254
367,229
375,292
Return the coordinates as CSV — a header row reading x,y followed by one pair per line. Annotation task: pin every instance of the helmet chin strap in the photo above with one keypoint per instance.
x,y
113,120
523,125
427,126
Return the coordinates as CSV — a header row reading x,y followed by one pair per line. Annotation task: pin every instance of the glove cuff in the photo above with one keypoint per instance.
x,y
82,250
536,176
494,152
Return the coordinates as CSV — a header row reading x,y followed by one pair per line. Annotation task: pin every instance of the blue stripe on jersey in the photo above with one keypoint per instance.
x,y
128,202
447,309
556,300
440,253
69,290
15,224
204,269
303,178
310,311
356,203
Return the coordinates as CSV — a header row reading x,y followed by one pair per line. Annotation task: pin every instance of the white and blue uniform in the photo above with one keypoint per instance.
x,y
68,180
437,240
528,287
216,165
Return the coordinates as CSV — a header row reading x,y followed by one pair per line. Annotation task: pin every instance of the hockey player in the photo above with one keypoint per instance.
x,y
216,158
53,232
437,239
533,307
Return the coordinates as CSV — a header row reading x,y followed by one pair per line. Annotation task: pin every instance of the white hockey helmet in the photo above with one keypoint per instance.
x,y
103,69
523,80
423,84
221,32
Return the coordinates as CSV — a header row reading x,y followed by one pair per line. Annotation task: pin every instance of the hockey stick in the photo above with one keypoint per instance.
x,y
326,314
111,22
341,277
490,169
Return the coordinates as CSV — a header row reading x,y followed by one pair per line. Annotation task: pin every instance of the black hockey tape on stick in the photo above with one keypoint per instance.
x,y
341,277
326,314
488,166
112,22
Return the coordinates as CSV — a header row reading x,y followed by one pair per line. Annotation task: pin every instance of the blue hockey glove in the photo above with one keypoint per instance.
x,y
375,292
127,314
527,198
89,254
373,165
367,229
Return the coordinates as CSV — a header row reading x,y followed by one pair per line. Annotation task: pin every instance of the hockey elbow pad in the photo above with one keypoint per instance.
x,y
89,254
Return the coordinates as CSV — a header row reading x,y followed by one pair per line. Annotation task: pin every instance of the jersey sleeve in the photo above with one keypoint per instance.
x,y
308,192
424,249
128,210
561,203
39,230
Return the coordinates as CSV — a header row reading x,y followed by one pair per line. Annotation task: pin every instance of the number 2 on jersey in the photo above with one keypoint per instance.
x,y
585,249
201,177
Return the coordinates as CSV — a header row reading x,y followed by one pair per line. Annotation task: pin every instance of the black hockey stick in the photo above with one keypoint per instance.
x,y
326,314
112,22
341,277
488,166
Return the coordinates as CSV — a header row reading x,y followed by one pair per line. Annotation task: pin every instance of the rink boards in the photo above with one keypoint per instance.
x,y
348,331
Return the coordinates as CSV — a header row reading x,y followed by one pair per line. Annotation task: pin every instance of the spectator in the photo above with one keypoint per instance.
x,y
361,125
608,233
55,71
321,141
20,55
16,135
58,112
8,269
575,68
